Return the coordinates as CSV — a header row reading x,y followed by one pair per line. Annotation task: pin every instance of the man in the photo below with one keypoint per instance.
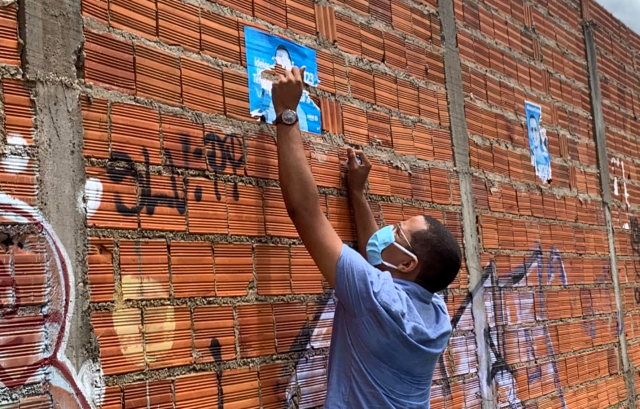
x,y
389,327
539,145
283,58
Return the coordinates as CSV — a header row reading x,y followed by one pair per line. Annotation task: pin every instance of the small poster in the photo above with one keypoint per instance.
x,y
264,51
538,141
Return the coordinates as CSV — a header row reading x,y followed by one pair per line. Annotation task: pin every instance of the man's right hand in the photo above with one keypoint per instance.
x,y
287,90
358,171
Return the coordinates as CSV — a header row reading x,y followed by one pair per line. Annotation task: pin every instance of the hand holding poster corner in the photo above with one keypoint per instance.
x,y
263,52
538,141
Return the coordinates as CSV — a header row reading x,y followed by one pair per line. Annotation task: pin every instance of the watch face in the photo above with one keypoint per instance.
x,y
289,117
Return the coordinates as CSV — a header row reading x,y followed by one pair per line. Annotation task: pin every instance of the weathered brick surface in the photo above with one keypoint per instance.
x,y
201,291
618,54
394,100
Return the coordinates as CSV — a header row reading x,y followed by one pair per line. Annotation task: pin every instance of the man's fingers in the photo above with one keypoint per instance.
x,y
352,159
363,158
300,74
290,75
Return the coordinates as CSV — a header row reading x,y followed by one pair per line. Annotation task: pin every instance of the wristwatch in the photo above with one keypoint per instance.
x,y
287,117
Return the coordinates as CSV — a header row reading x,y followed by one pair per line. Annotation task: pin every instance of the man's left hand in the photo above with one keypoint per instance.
x,y
287,90
359,168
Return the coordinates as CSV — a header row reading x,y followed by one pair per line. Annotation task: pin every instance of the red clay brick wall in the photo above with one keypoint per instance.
x,y
195,266
618,52
553,323
206,187
201,292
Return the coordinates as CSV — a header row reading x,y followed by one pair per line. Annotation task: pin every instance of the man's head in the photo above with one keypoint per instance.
x,y
535,131
437,253
283,58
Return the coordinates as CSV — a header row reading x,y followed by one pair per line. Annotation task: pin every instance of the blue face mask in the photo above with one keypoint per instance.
x,y
380,240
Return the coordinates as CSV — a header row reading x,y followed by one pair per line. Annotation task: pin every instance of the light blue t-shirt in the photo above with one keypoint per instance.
x,y
387,337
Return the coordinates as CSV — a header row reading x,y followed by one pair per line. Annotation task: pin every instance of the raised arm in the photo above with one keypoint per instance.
x,y
365,222
299,189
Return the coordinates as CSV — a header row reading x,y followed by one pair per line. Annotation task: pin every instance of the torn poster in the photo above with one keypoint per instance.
x,y
264,51
538,141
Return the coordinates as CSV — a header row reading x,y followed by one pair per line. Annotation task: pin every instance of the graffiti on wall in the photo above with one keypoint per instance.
x,y
543,274
21,326
633,226
620,185
537,271
222,154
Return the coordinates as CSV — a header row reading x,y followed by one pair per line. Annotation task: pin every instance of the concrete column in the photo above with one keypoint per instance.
x,y
53,35
460,139
603,166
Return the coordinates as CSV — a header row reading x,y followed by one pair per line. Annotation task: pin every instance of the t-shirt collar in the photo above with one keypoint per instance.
x,y
414,290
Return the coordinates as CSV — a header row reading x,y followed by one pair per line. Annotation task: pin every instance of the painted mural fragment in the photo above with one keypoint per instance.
x,y
36,312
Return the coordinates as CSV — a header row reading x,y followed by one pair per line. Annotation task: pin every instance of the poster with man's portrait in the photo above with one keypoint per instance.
x,y
264,51
538,141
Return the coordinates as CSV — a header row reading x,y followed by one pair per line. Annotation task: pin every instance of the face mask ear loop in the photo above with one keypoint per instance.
x,y
389,265
405,238
407,252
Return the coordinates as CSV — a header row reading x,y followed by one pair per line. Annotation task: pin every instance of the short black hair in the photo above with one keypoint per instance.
x,y
438,253
282,48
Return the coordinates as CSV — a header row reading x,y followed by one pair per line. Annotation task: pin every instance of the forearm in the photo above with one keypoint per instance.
x,y
365,222
299,189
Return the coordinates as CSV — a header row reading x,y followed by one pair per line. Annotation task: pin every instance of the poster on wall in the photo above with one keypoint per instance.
x,y
538,141
264,51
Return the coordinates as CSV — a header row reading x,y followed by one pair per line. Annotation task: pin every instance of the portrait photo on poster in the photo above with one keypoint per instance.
x,y
264,51
538,141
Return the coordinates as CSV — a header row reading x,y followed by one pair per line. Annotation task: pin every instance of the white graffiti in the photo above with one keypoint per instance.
x,y
318,338
93,193
616,162
14,163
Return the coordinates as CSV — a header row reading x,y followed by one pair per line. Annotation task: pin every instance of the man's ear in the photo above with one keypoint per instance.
x,y
408,266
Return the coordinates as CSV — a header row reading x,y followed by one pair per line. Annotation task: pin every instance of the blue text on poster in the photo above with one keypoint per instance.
x,y
538,141
263,52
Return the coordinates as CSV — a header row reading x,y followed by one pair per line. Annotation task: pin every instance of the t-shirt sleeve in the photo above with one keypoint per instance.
x,y
359,285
